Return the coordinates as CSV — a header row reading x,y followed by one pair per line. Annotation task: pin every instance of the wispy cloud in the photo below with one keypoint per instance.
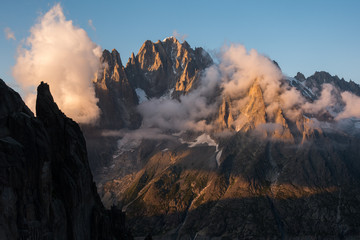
x,y
9,34
90,22
180,36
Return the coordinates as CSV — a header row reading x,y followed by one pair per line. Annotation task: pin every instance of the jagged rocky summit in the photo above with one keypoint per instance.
x,y
166,68
46,186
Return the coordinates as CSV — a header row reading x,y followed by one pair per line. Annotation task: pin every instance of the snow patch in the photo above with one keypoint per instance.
x,y
167,95
204,139
357,125
141,95
168,38
303,88
218,156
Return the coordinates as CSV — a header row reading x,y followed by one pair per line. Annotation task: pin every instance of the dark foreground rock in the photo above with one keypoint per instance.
x,y
46,186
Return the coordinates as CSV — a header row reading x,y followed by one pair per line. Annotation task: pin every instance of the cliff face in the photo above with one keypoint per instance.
x,y
117,99
47,190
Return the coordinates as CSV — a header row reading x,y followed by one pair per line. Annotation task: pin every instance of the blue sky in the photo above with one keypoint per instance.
x,y
305,36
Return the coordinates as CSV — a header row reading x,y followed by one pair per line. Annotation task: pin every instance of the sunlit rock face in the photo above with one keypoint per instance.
x,y
166,66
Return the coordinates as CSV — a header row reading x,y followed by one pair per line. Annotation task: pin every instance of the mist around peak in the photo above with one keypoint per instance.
x,y
258,96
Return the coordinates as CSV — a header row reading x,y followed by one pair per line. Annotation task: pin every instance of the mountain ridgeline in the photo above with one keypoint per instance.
x,y
256,170
156,70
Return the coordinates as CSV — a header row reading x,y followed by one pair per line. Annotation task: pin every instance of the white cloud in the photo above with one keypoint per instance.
x,y
352,106
61,54
326,100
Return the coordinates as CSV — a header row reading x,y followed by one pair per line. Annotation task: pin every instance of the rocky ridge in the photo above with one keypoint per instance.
x,y
166,66
315,81
47,190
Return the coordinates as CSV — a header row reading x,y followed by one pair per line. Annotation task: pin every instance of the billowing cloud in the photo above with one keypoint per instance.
x,y
325,101
189,113
9,34
352,106
61,54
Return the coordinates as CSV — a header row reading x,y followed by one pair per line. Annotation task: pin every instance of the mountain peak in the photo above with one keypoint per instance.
x,y
299,76
171,39
116,57
147,45
166,66
46,108
112,59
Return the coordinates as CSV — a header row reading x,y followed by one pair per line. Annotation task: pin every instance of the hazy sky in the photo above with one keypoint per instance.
x,y
305,36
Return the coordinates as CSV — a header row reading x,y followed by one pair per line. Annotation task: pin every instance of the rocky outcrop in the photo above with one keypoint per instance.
x,y
166,66
47,190
117,99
